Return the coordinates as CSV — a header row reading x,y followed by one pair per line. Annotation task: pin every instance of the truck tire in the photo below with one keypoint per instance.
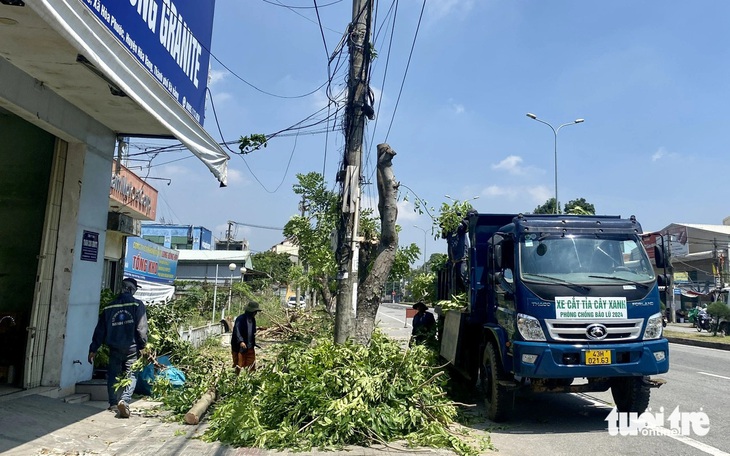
x,y
497,398
630,394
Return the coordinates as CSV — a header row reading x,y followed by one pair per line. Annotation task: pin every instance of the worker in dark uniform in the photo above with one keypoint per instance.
x,y
424,325
243,338
122,326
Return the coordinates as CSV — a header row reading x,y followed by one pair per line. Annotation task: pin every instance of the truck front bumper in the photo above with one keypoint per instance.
x,y
553,360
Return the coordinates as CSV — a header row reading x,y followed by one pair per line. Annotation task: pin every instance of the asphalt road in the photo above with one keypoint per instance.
x,y
569,424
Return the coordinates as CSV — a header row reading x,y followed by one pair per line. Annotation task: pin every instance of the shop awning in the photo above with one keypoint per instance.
x,y
73,20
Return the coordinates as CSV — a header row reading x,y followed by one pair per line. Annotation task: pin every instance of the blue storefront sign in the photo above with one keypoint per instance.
x,y
170,38
145,260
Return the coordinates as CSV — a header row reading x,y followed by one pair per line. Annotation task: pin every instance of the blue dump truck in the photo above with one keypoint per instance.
x,y
556,303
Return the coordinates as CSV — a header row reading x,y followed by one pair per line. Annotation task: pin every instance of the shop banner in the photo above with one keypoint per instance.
x,y
170,38
150,262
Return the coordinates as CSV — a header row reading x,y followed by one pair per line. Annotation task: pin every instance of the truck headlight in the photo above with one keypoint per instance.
x,y
530,328
653,327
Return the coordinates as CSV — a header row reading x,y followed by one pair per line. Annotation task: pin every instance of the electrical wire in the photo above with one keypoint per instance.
x,y
394,8
410,55
300,7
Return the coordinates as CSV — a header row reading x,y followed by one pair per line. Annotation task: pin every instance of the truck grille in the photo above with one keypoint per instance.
x,y
575,330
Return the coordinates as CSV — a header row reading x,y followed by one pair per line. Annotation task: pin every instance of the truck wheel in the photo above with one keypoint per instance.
x,y
497,398
630,394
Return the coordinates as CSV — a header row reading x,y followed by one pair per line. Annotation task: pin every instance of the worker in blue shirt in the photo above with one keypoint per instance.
x,y
122,326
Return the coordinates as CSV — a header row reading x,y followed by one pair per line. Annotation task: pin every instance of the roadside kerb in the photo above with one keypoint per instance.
x,y
697,343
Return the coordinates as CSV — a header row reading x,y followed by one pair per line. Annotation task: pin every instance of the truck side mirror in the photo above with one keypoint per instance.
x,y
659,259
662,280
498,256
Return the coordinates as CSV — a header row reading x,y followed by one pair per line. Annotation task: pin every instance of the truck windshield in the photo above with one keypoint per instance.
x,y
584,259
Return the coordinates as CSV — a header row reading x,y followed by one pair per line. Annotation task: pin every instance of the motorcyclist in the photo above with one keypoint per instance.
x,y
703,318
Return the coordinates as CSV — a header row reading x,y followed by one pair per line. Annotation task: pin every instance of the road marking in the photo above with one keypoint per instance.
x,y
664,431
714,375
680,347
394,318
691,442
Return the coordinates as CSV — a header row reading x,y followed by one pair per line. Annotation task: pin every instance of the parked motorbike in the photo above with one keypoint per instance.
x,y
704,321
664,321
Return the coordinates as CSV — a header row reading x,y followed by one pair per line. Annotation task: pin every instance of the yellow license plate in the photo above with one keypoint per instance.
x,y
598,357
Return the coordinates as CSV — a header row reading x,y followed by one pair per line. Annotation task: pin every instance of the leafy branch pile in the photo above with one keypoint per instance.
x,y
329,396
457,302
296,326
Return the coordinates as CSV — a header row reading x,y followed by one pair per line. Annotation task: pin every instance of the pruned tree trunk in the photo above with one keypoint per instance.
x,y
200,407
327,297
372,284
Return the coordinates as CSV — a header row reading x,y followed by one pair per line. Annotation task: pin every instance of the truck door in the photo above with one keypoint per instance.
x,y
502,263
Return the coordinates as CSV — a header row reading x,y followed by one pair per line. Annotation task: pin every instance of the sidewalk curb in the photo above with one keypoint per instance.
x,y
697,343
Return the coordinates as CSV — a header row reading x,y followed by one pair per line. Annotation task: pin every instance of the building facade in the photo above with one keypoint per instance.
x,y
178,237
77,78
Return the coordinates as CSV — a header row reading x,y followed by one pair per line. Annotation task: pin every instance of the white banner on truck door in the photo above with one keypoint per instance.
x,y
589,308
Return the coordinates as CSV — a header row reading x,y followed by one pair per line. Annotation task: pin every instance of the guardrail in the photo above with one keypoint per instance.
x,y
196,336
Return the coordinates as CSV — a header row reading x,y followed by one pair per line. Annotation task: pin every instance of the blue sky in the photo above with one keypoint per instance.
x,y
650,79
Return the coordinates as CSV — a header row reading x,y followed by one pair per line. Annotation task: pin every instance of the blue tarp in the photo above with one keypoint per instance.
x,y
162,368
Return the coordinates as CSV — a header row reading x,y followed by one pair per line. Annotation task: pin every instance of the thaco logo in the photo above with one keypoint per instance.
x,y
657,423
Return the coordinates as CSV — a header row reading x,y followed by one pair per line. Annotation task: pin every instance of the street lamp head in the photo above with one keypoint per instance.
x,y
579,121
243,270
232,267
531,115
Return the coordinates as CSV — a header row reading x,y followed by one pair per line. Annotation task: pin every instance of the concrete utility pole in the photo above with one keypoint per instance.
x,y
357,109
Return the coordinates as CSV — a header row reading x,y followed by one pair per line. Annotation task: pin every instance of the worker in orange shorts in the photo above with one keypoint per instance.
x,y
243,338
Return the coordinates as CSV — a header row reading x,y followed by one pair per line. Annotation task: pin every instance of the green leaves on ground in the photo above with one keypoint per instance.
x,y
329,396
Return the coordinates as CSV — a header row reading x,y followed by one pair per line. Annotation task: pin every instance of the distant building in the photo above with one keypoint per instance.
x,y
289,248
178,237
699,262
231,245
213,266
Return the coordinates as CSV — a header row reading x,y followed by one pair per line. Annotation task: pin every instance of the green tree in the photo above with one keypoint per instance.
x,y
423,287
580,207
436,262
718,310
404,257
577,207
270,268
450,217
547,208
312,233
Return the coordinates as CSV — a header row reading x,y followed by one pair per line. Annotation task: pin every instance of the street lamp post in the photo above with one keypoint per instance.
x,y
215,292
243,272
555,134
425,257
231,267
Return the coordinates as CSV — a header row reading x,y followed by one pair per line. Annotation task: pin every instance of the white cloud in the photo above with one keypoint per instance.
x,y
173,171
222,97
662,154
443,8
216,76
406,213
235,176
517,198
513,165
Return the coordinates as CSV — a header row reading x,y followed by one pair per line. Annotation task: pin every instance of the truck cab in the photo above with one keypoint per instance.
x,y
554,298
